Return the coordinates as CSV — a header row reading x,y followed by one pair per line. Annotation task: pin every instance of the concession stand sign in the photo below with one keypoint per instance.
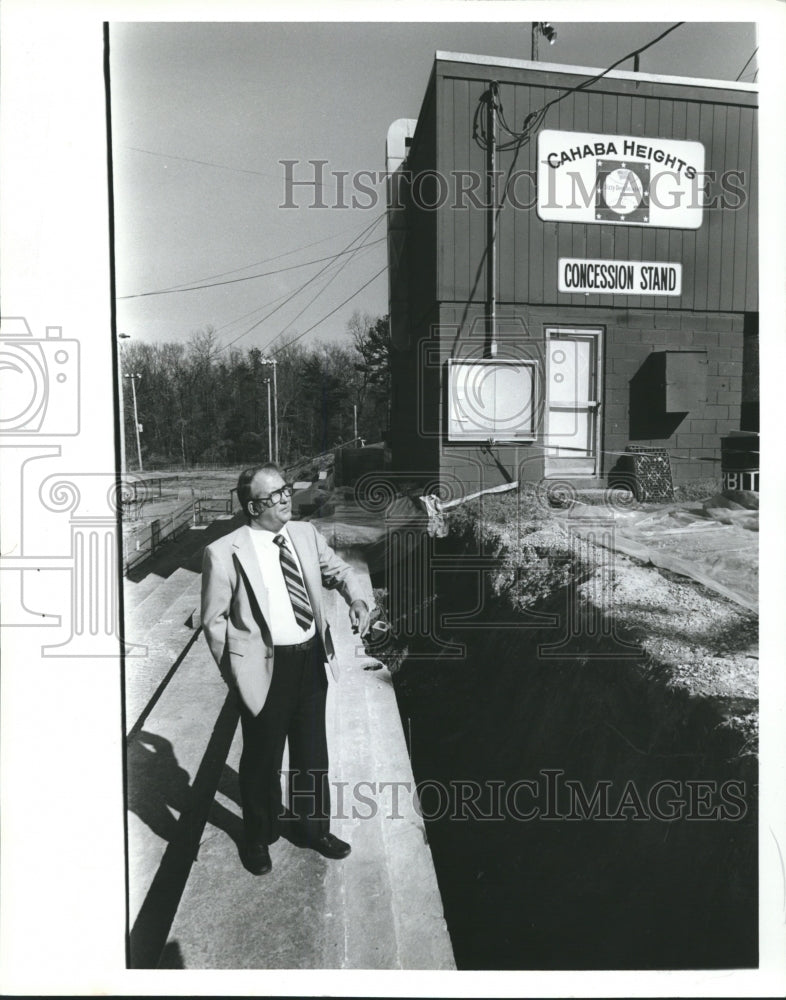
x,y
619,277
619,180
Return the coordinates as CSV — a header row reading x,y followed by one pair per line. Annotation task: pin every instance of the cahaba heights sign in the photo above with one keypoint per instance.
x,y
619,180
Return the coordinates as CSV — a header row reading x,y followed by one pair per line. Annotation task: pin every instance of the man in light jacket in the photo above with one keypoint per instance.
x,y
264,621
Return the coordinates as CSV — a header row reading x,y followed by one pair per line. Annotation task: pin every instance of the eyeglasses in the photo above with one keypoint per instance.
x,y
275,497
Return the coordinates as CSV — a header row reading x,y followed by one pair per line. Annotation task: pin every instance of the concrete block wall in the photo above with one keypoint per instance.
x,y
694,445
631,336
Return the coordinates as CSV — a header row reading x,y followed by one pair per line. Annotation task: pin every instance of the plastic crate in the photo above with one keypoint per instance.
x,y
647,472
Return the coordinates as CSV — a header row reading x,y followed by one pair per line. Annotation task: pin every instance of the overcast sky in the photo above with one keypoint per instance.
x,y
202,113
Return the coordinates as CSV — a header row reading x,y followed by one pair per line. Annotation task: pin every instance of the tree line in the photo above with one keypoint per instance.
x,y
199,403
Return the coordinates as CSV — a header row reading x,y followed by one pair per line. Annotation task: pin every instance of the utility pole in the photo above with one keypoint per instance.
x,y
136,417
273,447
275,408
492,218
269,424
548,31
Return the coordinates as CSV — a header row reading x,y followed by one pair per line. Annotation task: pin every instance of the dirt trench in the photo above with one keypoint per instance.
x,y
544,878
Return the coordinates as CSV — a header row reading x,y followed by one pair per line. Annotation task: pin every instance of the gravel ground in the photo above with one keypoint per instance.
x,y
706,644
710,644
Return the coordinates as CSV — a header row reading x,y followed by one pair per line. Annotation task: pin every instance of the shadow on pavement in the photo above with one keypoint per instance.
x,y
155,781
186,551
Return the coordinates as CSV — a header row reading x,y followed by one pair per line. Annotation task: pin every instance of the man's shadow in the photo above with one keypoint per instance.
x,y
175,808
184,552
159,788
157,785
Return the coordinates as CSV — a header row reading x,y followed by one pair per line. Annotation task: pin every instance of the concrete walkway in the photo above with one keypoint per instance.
x,y
194,906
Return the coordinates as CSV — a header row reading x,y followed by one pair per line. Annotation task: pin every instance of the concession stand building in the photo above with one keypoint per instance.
x,y
573,273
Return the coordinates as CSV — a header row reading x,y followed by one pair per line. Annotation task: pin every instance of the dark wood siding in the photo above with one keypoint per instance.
x,y
415,390
421,246
719,259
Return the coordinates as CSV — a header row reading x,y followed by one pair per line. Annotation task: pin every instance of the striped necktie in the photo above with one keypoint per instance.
x,y
304,616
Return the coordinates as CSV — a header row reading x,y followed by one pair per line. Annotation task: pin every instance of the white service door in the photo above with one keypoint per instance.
x,y
572,402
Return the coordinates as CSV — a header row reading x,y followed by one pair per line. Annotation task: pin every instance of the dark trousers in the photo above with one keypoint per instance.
x,y
294,710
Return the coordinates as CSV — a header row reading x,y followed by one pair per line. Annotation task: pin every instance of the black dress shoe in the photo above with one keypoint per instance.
x,y
256,859
330,846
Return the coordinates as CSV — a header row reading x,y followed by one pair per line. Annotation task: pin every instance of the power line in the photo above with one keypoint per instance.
x,y
203,163
305,284
328,315
256,263
288,295
534,119
313,299
314,277
630,55
248,277
747,64
251,312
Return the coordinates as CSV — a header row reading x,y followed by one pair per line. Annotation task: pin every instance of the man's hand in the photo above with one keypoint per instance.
x,y
359,616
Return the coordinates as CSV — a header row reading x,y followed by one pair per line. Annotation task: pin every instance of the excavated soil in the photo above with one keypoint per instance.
x,y
639,681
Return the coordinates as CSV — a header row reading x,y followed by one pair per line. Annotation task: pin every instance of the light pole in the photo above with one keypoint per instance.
x,y
136,417
122,336
274,364
269,424
275,405
548,31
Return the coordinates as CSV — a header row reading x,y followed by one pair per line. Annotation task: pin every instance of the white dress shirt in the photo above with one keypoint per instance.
x,y
284,629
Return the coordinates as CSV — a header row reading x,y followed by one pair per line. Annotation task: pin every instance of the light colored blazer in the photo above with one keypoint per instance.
x,y
235,615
